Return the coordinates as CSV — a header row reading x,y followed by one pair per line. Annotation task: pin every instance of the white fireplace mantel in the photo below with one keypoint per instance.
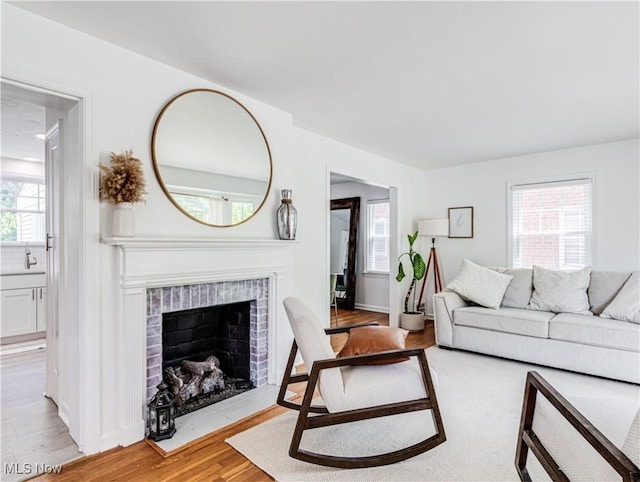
x,y
145,263
198,243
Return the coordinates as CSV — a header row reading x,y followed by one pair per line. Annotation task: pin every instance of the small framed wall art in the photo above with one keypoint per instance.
x,y
461,222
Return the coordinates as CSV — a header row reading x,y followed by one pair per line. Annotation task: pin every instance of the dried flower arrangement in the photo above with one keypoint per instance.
x,y
123,181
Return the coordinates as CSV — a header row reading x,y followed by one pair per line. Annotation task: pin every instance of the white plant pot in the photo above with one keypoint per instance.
x,y
412,321
124,221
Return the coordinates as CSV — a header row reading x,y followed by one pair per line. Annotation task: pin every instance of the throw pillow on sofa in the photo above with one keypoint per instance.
x,y
560,291
626,305
604,287
520,288
481,285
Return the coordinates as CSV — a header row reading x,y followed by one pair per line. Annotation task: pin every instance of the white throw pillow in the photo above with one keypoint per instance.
x,y
560,291
483,286
626,305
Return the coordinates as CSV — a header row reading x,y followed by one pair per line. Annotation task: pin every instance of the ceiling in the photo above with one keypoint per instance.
x,y
22,120
24,115
429,84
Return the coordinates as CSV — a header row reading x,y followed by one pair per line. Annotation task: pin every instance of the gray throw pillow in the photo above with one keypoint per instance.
x,y
603,288
560,291
519,291
626,305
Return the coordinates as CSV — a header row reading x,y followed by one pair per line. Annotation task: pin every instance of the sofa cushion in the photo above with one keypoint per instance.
x,y
603,288
507,320
595,331
520,288
481,285
626,305
560,291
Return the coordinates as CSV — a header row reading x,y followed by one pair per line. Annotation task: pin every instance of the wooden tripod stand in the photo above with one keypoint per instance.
x,y
437,279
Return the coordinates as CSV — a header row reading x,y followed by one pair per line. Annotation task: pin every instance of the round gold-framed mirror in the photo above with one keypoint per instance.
x,y
211,158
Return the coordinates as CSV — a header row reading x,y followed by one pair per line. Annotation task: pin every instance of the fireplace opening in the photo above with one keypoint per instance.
x,y
206,354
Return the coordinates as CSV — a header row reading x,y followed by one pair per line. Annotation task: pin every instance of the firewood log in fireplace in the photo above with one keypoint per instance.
x,y
200,368
198,378
214,381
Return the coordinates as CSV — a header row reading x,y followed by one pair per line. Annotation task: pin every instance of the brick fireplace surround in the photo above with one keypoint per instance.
x,y
178,298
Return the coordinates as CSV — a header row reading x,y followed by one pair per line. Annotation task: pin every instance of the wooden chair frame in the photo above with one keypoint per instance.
x,y
324,418
528,440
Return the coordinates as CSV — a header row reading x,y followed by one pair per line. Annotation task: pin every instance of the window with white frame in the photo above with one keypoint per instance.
x,y
22,210
551,224
377,246
215,207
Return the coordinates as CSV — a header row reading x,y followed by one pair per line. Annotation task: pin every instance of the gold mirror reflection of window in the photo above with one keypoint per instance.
x,y
211,158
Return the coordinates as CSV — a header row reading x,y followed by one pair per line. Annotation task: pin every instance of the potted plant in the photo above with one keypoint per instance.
x,y
411,319
122,184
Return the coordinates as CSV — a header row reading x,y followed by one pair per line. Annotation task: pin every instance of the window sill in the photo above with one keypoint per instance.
x,y
378,274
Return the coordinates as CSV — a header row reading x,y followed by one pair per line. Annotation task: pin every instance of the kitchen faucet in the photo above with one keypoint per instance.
x,y
29,263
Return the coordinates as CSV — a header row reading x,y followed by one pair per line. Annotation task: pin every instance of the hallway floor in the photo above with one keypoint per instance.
x,y
34,439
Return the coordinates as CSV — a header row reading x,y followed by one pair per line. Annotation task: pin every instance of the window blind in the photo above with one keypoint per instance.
x,y
378,236
551,224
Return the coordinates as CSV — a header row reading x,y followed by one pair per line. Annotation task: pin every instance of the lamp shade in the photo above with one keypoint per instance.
x,y
433,227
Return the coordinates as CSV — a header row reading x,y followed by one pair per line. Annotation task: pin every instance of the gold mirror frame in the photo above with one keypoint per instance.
x,y
156,166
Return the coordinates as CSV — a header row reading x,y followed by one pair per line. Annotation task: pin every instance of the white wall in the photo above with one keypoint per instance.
x,y
124,93
316,157
484,186
372,289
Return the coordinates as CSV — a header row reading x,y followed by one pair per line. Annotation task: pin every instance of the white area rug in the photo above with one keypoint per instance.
x,y
480,399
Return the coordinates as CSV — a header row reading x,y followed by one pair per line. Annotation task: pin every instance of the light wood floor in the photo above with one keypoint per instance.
x,y
32,432
210,459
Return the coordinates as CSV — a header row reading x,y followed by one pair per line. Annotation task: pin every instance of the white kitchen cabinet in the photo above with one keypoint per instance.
x,y
19,312
23,306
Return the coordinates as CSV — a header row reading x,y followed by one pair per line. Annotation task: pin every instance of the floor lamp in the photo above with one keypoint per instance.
x,y
433,228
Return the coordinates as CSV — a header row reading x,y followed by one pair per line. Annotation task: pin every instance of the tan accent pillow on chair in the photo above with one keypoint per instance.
x,y
374,339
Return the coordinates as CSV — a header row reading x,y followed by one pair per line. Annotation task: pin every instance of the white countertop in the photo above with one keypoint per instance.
x,y
22,279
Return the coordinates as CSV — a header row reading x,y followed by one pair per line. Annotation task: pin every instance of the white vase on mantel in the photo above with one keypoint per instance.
x,y
124,221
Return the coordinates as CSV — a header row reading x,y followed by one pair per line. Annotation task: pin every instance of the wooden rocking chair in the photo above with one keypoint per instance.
x,y
353,389
565,443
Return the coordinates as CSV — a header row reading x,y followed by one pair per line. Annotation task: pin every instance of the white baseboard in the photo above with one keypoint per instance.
x,y
109,440
132,433
379,309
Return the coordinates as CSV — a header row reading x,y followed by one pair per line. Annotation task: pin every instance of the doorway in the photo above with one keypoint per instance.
x,y
370,245
36,422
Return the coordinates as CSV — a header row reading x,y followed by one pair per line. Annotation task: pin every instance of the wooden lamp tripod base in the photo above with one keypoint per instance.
x,y
437,279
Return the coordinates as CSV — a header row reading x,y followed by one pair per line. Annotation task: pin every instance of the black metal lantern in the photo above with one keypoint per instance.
x,y
162,419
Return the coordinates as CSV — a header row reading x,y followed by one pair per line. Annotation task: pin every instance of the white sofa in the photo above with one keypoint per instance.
x,y
581,343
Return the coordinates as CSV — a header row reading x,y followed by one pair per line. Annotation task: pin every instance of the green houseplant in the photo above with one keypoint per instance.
x,y
411,319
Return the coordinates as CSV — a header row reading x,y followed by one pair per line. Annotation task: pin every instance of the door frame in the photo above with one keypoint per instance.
x,y
88,342
394,234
